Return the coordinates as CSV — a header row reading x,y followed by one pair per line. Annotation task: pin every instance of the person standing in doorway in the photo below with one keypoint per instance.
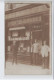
x,y
31,54
35,53
45,55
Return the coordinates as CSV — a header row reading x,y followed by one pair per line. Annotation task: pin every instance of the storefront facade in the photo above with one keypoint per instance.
x,y
25,25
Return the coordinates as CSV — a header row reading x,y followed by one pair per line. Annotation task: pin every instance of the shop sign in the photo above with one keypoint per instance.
x,y
18,39
14,23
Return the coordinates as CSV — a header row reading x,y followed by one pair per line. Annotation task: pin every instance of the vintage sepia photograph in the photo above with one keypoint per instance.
x,y
28,38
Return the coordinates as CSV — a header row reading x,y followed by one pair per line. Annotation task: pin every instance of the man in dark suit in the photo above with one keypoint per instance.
x,y
14,51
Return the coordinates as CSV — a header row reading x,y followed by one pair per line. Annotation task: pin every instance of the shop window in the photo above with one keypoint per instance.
x,y
14,34
27,34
